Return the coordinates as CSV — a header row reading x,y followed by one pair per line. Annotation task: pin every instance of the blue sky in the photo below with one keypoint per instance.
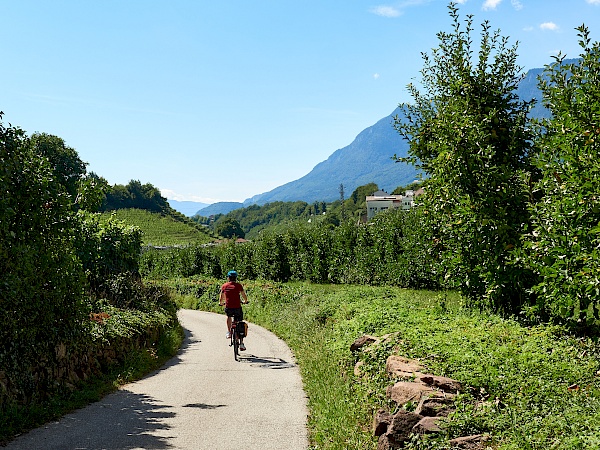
x,y
223,100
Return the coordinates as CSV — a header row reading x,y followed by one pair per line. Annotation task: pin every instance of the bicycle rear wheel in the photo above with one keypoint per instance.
x,y
236,343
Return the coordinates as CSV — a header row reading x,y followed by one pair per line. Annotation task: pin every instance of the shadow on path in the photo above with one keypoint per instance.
x,y
266,363
202,406
123,420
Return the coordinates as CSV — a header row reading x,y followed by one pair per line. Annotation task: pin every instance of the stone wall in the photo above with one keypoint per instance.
x,y
433,396
69,363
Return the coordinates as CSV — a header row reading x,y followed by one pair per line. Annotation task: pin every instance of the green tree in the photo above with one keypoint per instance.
x,y
146,196
65,162
563,247
91,192
117,197
42,283
135,195
358,200
469,133
400,190
228,228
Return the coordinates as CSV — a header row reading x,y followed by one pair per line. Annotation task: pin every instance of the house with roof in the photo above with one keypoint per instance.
x,y
382,201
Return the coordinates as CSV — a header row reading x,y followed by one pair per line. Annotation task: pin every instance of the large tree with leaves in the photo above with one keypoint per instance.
x,y
564,245
469,133
41,280
68,168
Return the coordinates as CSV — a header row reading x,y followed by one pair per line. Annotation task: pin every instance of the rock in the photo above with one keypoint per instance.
x,y
362,341
357,371
444,383
398,431
404,391
437,405
474,442
399,366
381,422
428,425
384,444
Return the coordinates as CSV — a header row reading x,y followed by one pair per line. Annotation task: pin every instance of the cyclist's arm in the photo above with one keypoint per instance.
x,y
244,296
222,298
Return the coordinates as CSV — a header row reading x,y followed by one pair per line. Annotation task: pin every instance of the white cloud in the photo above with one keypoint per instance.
x,y
516,4
593,2
172,195
386,11
551,26
376,76
399,6
490,4
528,28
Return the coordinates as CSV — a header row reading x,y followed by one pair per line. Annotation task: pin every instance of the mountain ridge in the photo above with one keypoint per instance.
x,y
368,159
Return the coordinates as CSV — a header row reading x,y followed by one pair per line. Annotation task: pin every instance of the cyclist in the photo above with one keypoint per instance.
x,y
231,297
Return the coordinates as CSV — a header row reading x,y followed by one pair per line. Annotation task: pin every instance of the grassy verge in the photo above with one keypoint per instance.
x,y
528,387
134,366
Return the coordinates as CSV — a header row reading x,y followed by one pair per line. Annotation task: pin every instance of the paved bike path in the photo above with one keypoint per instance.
x,y
201,399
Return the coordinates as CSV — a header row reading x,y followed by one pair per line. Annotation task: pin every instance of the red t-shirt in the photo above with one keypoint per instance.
x,y
232,294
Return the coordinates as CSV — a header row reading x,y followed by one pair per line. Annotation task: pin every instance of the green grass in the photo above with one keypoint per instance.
x,y
516,378
161,230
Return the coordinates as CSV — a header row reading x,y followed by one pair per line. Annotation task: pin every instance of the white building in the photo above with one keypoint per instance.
x,y
382,201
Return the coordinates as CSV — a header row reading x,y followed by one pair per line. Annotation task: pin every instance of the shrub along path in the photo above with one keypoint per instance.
x,y
201,399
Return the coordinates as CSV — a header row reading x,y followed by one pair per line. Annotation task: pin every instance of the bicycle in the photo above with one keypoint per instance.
x,y
237,335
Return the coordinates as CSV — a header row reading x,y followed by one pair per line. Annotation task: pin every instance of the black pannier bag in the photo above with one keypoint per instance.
x,y
242,329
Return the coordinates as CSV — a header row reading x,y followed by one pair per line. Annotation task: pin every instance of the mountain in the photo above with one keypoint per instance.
x,y
187,208
368,159
219,208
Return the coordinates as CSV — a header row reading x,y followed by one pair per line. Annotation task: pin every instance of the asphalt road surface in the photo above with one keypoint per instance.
x,y
201,399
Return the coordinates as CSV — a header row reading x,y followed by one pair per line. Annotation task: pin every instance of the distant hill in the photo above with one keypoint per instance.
x,y
218,208
187,208
162,230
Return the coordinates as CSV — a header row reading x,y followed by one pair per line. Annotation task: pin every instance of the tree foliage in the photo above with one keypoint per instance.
x,y
42,284
229,228
91,192
469,133
388,251
53,253
564,242
64,161
135,195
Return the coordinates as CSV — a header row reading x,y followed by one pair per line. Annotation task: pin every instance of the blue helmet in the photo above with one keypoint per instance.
x,y
232,273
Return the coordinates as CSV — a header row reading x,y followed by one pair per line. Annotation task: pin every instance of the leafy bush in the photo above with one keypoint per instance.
x,y
564,240
107,248
41,293
469,133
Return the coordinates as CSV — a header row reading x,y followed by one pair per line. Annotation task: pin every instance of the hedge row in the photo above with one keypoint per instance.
x,y
389,250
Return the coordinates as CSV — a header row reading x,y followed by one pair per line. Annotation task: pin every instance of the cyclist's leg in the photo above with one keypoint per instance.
x,y
229,313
